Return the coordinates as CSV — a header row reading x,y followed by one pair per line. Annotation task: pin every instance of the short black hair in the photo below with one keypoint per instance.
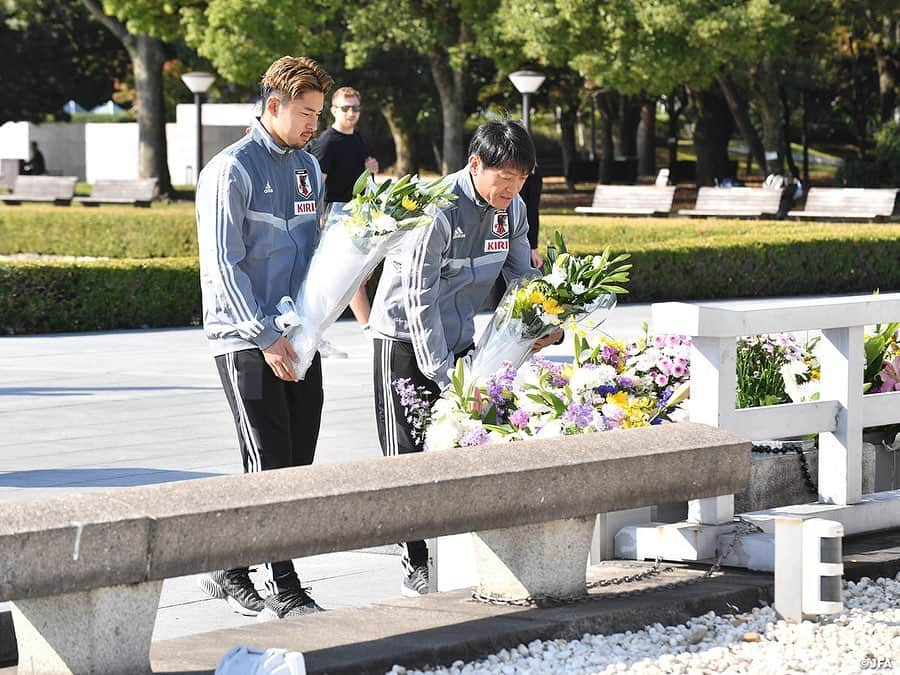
x,y
502,144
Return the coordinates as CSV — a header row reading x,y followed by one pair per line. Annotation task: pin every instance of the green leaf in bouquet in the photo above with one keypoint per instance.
x,y
614,289
383,188
561,243
504,430
360,185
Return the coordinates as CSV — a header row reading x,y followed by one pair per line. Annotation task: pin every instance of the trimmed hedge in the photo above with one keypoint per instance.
x,y
106,231
46,297
101,295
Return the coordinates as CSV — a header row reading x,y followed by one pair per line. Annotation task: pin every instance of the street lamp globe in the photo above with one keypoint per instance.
x,y
199,83
526,83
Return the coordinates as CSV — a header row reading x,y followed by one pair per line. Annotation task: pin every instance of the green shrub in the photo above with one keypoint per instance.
x,y
106,231
103,295
674,259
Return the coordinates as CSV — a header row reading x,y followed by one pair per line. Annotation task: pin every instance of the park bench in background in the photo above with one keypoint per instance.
x,y
139,192
735,202
630,200
848,204
57,189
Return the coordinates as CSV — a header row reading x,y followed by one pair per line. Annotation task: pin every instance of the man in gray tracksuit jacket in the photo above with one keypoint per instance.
x,y
258,207
423,313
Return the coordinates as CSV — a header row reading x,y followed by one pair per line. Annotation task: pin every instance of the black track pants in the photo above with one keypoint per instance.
x,y
277,424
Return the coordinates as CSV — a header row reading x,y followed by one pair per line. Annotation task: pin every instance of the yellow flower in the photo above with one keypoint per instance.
x,y
552,307
620,399
536,298
409,204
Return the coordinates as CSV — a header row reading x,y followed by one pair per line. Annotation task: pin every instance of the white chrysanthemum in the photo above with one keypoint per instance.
x,y
591,378
550,430
555,278
549,319
384,223
578,288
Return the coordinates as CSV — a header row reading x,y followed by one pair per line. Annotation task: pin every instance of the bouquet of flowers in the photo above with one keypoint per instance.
x,y
882,359
354,240
596,391
772,368
656,366
572,289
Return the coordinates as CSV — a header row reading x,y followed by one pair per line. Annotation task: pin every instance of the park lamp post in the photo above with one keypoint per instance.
x,y
199,83
526,83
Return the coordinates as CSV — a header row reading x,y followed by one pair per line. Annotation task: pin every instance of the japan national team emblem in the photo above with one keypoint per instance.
x,y
304,189
500,226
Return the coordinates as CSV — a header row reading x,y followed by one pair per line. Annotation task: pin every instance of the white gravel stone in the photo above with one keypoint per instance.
x,y
865,637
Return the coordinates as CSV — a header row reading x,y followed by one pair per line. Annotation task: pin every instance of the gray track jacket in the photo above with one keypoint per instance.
x,y
258,207
433,285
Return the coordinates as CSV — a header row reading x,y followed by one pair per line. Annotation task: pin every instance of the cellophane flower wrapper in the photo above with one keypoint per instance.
x,y
340,263
511,334
356,237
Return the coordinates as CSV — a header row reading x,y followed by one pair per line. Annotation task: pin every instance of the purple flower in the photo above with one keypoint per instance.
x,y
678,370
519,418
661,380
477,436
579,414
624,381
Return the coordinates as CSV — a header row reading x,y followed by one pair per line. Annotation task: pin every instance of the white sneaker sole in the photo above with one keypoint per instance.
x,y
407,592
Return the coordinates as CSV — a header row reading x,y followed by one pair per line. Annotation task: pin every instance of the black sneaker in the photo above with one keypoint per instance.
x,y
294,602
416,582
235,587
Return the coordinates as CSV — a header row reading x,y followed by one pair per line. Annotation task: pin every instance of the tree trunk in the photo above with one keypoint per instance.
x,y
147,60
646,139
786,132
711,135
148,56
566,118
607,148
767,81
674,112
739,112
404,140
449,83
888,65
627,125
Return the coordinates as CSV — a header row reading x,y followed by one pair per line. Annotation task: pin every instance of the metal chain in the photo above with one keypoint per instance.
x,y
743,528
785,448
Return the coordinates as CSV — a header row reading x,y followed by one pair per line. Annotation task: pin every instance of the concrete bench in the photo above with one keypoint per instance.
x,y
84,571
866,204
735,202
140,192
630,200
57,189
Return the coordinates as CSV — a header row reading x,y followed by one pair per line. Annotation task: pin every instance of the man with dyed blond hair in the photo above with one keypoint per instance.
x,y
258,207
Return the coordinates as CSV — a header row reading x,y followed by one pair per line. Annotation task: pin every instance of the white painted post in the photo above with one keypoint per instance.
x,y
713,387
822,566
789,568
842,356
603,545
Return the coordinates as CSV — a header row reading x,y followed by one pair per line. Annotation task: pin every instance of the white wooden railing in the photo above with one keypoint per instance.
x,y
842,411
839,417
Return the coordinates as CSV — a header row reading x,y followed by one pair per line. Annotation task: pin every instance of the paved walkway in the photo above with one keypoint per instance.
x,y
113,409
